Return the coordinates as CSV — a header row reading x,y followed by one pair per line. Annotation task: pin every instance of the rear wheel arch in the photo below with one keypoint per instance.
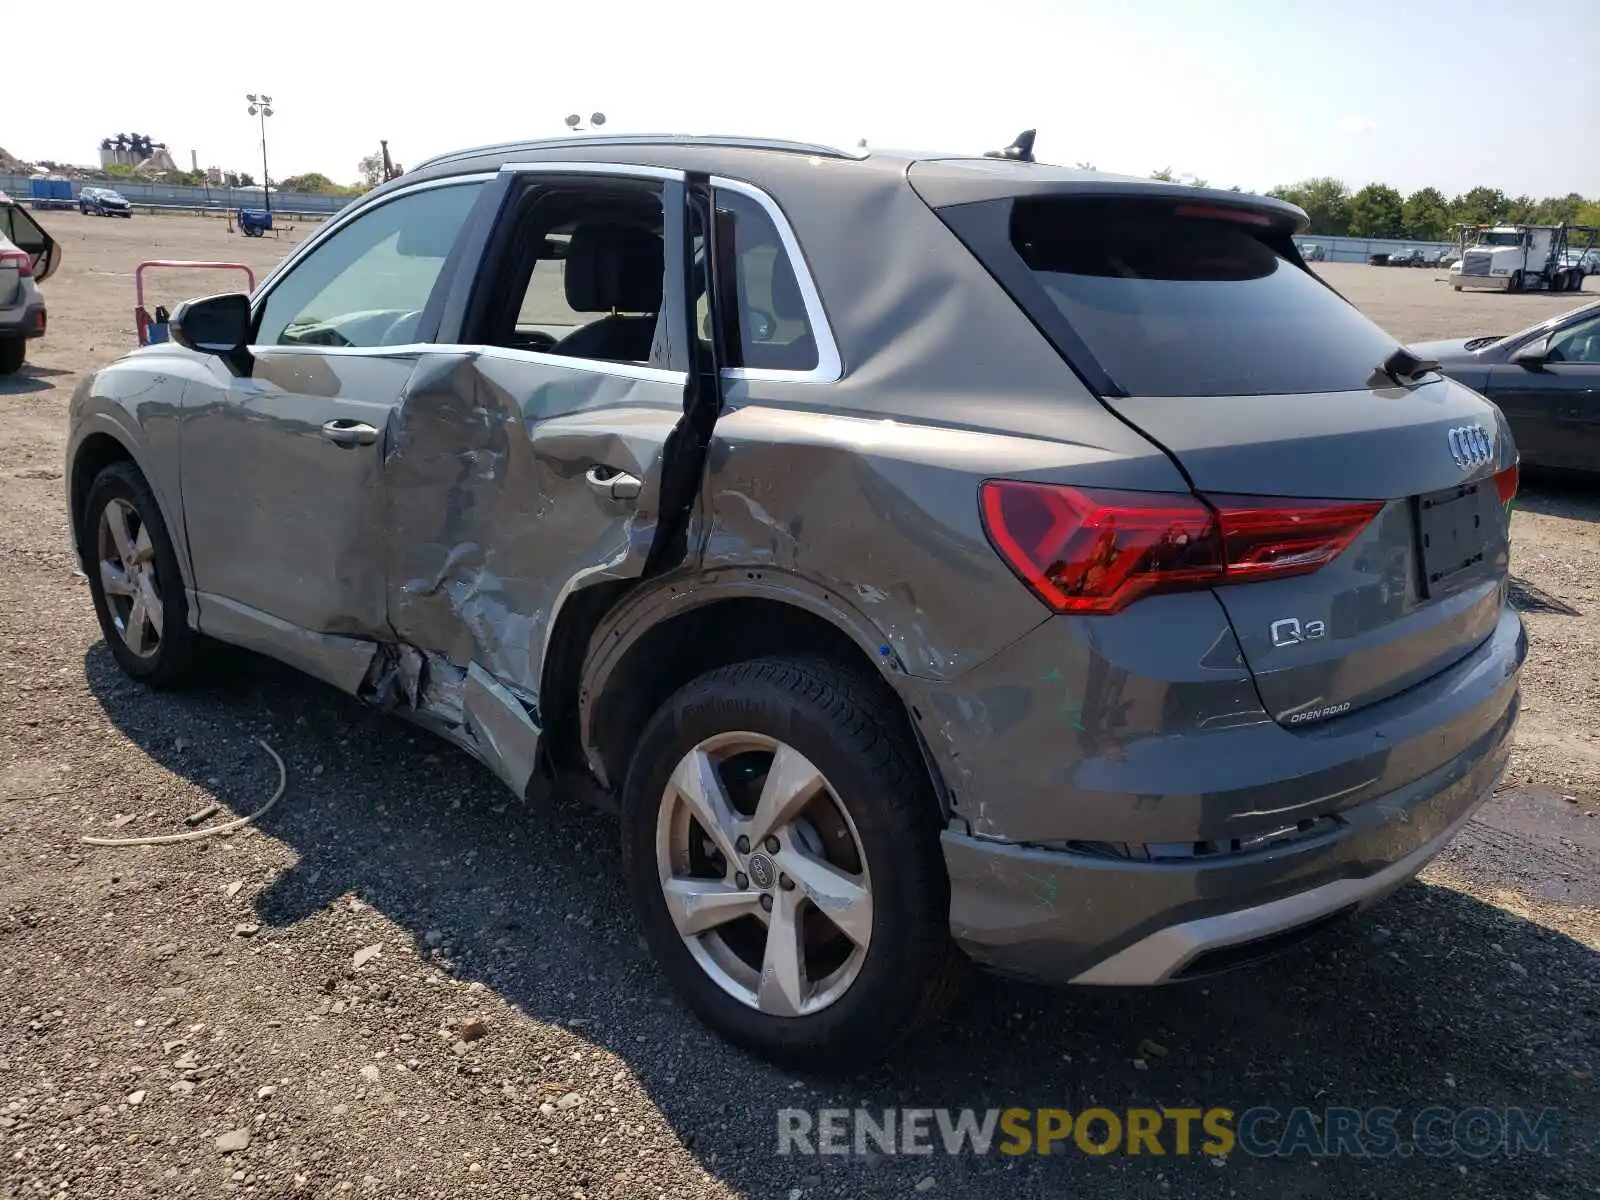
x,y
645,648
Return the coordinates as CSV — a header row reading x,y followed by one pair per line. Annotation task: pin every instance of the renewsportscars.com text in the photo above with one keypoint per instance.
x,y
1260,1132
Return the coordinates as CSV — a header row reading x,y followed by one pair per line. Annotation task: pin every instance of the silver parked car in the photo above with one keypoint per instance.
x,y
932,557
28,256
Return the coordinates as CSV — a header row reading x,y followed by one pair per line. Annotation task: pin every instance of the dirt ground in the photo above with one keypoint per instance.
x,y
299,990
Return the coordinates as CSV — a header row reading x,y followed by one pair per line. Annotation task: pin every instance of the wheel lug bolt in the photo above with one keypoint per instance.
x,y
786,883
771,844
742,845
740,879
766,902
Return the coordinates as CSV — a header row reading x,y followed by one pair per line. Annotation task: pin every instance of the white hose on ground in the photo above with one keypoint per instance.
x,y
196,835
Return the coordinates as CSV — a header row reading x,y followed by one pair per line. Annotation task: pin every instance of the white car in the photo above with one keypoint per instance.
x,y
1587,261
28,255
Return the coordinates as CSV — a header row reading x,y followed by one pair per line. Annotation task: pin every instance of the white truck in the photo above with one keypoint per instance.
x,y
1517,258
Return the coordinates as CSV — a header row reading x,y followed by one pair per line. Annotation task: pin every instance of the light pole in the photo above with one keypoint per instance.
x,y
261,108
575,122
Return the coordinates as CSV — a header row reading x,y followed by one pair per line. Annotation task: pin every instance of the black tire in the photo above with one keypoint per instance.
x,y
13,353
1515,282
177,656
832,716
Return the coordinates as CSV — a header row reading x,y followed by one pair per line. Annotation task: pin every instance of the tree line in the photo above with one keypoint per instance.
x,y
1380,211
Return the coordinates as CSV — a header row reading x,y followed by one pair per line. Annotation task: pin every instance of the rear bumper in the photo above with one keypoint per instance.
x,y
1070,918
1155,883
25,320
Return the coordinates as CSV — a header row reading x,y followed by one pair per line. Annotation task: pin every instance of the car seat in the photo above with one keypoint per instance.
x,y
617,270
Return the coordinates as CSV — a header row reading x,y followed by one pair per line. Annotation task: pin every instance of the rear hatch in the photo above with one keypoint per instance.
x,y
1363,514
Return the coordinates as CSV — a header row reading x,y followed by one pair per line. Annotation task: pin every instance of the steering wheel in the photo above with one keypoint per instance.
x,y
402,330
539,341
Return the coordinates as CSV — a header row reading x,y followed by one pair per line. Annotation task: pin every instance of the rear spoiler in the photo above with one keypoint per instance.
x,y
945,182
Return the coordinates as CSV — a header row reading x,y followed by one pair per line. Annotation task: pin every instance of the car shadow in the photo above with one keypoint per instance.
x,y
29,379
1434,999
1526,597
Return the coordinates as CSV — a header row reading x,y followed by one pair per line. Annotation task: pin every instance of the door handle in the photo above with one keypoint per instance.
x,y
612,483
349,433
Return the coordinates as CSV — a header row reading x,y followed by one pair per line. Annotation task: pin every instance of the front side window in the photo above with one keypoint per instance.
x,y
367,284
1580,344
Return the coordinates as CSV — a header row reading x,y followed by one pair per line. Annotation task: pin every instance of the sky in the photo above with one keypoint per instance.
x,y
1452,93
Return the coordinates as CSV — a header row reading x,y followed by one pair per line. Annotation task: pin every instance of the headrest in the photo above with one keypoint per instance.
x,y
787,301
614,268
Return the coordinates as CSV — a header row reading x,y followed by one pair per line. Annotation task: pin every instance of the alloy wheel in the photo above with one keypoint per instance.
x,y
764,874
128,577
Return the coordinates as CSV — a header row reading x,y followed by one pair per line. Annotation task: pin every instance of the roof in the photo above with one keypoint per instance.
x,y
940,178
513,150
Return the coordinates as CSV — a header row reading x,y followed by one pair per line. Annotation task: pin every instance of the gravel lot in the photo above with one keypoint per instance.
x,y
406,984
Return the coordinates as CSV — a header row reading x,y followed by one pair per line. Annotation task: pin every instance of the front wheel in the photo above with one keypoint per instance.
x,y
781,844
135,580
1514,284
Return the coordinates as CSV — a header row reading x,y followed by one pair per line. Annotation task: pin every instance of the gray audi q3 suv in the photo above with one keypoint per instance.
x,y
933,558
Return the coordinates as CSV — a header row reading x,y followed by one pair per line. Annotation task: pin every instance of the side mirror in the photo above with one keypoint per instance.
x,y
214,325
1535,354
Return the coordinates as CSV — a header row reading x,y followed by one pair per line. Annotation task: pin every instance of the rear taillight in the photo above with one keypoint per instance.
x,y
1086,550
19,260
1270,538
1505,483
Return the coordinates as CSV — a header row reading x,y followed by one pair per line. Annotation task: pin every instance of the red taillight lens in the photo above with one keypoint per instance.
x,y
1097,552
1093,551
1505,482
1270,538
19,260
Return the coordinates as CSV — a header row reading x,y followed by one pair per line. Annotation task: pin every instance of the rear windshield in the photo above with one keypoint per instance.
x,y
1173,305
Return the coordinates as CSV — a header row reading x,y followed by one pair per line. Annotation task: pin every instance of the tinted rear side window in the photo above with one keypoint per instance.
x,y
1173,305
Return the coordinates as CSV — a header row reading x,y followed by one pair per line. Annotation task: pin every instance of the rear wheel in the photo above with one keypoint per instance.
x,y
135,580
13,351
781,845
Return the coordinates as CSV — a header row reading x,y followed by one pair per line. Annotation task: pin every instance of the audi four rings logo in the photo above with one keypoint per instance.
x,y
1471,446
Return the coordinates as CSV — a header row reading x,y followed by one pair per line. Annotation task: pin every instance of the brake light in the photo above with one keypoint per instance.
x,y
19,260
1095,551
1219,213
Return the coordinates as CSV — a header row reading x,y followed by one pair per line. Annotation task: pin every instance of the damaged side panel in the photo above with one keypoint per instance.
x,y
511,480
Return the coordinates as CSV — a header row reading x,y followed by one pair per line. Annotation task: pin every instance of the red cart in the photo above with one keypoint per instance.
x,y
154,329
